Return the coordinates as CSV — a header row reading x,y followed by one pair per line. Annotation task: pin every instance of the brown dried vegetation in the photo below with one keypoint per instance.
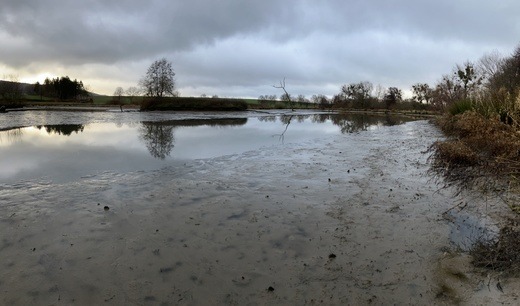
x,y
502,255
484,153
477,149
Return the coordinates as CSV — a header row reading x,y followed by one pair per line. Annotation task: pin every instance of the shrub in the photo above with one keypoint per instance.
x,y
500,255
460,107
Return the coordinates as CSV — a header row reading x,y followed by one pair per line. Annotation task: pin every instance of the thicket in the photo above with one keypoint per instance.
x,y
482,120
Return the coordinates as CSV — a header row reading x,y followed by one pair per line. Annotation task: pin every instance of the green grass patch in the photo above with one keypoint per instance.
x,y
37,98
460,107
192,103
102,100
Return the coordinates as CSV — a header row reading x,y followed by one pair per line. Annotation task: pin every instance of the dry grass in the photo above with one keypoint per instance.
x,y
484,153
478,149
502,255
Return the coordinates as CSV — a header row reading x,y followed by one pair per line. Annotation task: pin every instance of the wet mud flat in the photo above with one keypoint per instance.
x,y
344,219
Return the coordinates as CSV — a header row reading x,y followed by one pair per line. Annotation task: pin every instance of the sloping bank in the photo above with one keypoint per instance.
x,y
483,154
350,219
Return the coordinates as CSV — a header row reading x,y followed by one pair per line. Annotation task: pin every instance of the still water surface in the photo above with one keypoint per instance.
x,y
82,145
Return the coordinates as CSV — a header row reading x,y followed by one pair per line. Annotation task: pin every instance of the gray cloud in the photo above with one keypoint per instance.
x,y
234,47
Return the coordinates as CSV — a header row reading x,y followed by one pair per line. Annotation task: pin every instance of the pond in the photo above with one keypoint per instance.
x,y
238,208
49,147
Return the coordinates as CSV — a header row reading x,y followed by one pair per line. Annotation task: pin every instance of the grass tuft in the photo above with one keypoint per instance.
x,y
502,255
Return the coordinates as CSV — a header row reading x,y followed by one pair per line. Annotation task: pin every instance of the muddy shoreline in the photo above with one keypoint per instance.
x,y
346,219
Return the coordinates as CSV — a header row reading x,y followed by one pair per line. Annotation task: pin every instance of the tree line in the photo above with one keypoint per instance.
x,y
62,88
492,82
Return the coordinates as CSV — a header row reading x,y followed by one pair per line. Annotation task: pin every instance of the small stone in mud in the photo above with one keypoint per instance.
x,y
332,255
34,249
270,289
106,208
329,179
267,196
165,270
98,204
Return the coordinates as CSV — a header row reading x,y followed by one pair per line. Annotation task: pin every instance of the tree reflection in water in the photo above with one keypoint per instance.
x,y
158,138
285,119
62,129
11,135
351,123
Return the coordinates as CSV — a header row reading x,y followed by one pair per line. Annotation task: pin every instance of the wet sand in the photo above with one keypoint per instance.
x,y
349,219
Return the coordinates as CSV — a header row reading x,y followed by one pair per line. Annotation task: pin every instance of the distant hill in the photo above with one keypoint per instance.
x,y
25,87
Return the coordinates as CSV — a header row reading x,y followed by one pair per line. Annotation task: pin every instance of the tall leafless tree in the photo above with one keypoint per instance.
x,y
159,79
118,93
286,97
131,92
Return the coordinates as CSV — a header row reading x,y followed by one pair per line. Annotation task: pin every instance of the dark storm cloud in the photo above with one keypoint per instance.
x,y
104,31
243,46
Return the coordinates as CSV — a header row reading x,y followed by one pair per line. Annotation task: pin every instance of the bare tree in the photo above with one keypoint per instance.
x,y
159,79
447,91
131,92
379,92
118,93
508,76
322,101
490,64
358,93
285,96
302,99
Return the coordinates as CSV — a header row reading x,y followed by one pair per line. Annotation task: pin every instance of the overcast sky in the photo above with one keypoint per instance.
x,y
238,48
